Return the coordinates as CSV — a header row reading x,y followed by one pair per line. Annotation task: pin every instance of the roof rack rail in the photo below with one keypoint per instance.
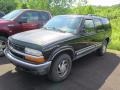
x,y
91,15
96,16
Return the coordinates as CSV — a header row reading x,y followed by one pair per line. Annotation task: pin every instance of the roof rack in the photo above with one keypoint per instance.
x,y
96,15
91,15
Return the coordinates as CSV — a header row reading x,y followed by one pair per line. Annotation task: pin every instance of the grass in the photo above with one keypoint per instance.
x,y
115,38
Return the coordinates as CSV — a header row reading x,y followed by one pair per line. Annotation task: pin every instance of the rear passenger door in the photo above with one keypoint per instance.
x,y
87,39
89,32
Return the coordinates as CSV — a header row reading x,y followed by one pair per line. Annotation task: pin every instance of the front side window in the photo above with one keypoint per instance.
x,y
89,26
68,24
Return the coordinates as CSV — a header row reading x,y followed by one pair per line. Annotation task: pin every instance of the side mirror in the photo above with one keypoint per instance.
x,y
23,20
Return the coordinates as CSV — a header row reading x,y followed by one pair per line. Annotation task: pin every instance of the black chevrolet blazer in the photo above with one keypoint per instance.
x,y
51,49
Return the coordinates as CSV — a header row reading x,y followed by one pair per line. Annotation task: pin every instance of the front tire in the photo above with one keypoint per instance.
x,y
102,50
3,41
60,68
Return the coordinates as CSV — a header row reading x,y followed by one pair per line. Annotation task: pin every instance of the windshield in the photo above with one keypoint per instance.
x,y
68,24
12,15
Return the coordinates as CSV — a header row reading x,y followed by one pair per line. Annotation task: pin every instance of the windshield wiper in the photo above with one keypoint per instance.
x,y
62,31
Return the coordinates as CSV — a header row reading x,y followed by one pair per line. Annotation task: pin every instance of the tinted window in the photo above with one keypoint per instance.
x,y
44,16
30,17
98,24
106,23
89,26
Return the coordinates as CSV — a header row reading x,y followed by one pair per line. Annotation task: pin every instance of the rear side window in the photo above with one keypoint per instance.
x,y
44,16
98,24
89,26
30,16
106,23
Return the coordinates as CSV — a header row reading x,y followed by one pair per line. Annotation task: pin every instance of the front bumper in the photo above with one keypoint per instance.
x,y
35,68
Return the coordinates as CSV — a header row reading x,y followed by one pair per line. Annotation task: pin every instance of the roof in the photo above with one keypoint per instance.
x,y
33,10
89,16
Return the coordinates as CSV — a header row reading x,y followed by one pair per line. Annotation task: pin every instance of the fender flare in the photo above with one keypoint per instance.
x,y
61,49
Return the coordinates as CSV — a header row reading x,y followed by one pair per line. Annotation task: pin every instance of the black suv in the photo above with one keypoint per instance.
x,y
51,49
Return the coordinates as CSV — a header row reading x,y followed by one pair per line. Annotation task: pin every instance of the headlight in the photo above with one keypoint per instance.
x,y
33,52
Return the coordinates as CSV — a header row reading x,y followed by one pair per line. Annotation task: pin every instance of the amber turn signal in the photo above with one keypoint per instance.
x,y
35,59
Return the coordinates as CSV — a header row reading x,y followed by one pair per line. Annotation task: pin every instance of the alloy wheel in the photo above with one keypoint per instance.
x,y
63,68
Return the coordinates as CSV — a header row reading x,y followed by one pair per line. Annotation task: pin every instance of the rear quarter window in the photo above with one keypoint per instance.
x,y
106,23
98,24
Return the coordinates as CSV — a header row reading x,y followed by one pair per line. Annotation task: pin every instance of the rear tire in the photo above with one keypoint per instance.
x,y
102,50
3,42
60,68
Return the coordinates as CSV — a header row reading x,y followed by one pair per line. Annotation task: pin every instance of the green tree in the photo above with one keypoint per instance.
x,y
38,4
7,5
24,6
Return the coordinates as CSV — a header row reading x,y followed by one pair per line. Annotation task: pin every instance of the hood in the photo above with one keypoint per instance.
x,y
2,21
41,37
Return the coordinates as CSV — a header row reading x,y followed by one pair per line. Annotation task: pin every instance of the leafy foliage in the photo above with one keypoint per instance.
x,y
57,7
38,4
115,42
7,5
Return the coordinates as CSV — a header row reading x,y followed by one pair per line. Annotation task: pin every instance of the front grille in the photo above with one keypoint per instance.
x,y
18,55
17,47
22,58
